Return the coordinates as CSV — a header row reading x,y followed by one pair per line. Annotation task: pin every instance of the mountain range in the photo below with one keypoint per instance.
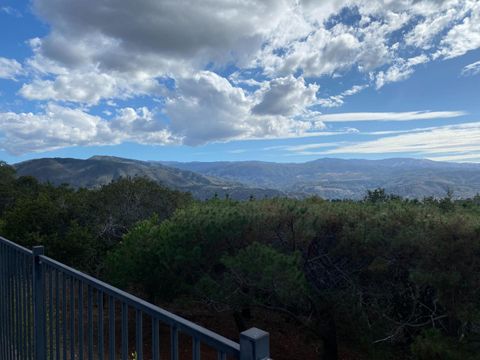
x,y
100,170
328,178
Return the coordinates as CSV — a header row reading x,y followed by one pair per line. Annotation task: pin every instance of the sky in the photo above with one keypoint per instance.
x,y
270,80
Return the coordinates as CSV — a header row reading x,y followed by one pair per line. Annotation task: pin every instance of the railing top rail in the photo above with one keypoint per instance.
x,y
15,246
204,335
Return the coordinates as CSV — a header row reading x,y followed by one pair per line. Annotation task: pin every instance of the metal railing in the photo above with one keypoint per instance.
x,y
49,311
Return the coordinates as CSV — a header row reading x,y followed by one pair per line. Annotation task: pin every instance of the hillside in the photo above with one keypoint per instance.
x,y
101,170
328,178
339,178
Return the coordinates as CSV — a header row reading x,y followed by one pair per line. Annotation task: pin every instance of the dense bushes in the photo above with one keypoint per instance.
x,y
378,272
79,227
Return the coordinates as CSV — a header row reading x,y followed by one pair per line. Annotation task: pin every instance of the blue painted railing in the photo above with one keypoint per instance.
x,y
49,311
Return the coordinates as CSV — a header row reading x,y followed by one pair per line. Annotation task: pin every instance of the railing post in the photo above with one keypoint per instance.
x,y
254,345
39,304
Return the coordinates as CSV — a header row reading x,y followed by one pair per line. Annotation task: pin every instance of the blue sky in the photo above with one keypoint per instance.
x,y
273,80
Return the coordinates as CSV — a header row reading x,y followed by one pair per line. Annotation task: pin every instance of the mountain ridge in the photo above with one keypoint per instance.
x,y
101,170
329,178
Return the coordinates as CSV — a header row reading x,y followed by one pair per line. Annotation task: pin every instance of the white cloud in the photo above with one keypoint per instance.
x,y
90,87
439,15
464,36
451,140
11,11
285,96
9,68
208,31
103,50
54,128
302,148
471,69
338,100
207,107
57,127
279,36
401,70
389,116
474,157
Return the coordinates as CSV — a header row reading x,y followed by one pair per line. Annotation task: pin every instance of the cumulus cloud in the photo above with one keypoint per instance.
x,y
9,68
280,37
281,50
334,51
54,128
438,16
171,29
285,96
207,107
464,36
90,87
58,126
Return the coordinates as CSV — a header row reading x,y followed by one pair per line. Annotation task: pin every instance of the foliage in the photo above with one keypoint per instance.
x,y
382,274
78,227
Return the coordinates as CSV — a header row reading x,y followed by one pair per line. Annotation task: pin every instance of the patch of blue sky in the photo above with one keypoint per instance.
x,y
17,27
348,15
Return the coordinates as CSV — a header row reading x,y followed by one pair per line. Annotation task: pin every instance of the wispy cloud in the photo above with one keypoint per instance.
x,y
9,68
338,100
302,148
474,158
390,116
460,141
472,69
11,11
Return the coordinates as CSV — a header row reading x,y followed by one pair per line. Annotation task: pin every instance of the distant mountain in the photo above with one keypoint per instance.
x,y
327,178
340,179
101,170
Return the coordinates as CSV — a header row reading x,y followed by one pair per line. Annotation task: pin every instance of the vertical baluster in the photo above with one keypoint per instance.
x,y
57,315
221,355
90,323
30,310
18,320
139,335
64,316
111,327
16,305
21,325
39,304
101,348
50,313
124,331
80,320
7,305
155,339
12,307
2,304
195,349
24,307
72,318
173,343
